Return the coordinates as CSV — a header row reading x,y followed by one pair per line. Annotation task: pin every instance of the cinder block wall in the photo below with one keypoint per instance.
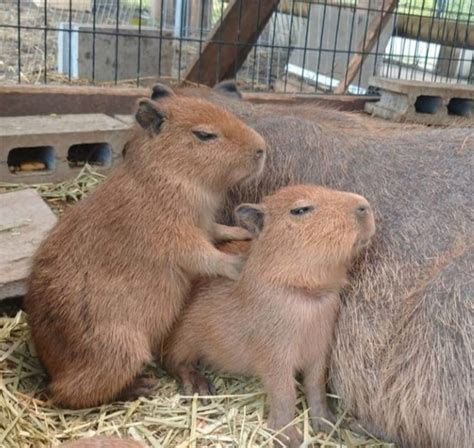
x,y
54,148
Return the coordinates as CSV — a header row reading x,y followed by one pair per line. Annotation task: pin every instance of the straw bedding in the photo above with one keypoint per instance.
x,y
235,417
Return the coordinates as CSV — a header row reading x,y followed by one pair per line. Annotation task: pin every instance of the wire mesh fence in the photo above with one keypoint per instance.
x,y
312,46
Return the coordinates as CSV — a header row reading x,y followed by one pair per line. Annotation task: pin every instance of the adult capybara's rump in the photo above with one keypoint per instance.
x,y
403,356
109,281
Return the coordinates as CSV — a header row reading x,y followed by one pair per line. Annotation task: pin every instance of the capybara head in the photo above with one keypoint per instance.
x,y
308,229
191,135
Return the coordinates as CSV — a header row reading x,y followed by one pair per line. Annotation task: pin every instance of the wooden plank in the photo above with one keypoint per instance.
x,y
447,32
230,41
339,102
374,30
46,100
18,100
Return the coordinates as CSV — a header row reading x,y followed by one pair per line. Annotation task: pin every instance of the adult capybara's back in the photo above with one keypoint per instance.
x,y
403,356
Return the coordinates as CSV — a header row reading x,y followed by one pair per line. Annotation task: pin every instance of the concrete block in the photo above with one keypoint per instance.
x,y
114,55
54,148
422,102
25,219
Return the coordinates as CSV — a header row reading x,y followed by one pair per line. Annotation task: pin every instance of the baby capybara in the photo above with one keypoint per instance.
x,y
278,318
109,281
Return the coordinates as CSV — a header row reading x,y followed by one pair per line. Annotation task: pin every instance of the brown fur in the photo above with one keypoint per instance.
x,y
103,442
403,355
109,281
287,295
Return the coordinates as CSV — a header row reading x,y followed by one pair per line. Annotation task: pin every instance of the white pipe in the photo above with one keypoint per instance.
x,y
178,17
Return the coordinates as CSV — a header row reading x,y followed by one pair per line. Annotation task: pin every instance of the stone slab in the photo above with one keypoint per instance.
x,y
55,135
422,102
25,219
441,89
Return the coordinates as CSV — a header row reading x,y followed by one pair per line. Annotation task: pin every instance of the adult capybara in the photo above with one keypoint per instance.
x,y
402,361
110,279
278,318
103,442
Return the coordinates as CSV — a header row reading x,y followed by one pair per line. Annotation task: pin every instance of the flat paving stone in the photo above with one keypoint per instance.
x,y
25,219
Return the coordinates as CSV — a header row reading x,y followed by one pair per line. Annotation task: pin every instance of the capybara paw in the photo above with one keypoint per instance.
x,y
240,233
290,438
233,266
141,387
358,428
197,383
320,425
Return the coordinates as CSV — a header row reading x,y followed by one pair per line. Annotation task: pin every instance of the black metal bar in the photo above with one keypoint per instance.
x,y
443,33
201,38
417,44
308,19
336,34
255,46
354,13
19,39
117,18
45,76
272,49
364,52
433,16
140,14
471,7
320,46
180,39
289,42
70,42
94,24
218,65
403,44
161,38
382,9
236,62
452,48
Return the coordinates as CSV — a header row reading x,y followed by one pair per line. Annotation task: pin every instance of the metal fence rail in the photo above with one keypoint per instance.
x,y
312,46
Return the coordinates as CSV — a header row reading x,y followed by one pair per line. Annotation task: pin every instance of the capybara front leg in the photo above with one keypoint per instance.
x,y
315,387
281,390
225,233
202,258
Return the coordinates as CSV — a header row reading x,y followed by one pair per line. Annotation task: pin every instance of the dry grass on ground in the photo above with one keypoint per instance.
x,y
234,418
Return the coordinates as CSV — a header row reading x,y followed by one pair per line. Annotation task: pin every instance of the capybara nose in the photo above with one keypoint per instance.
x,y
259,153
362,210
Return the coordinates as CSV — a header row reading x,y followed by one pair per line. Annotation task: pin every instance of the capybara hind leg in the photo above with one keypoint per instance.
x,y
141,386
100,376
193,381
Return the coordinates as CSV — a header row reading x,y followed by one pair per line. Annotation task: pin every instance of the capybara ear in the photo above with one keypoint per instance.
x,y
148,116
250,217
229,88
161,91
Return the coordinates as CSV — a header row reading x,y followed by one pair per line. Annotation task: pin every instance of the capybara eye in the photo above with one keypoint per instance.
x,y
362,210
204,136
301,210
